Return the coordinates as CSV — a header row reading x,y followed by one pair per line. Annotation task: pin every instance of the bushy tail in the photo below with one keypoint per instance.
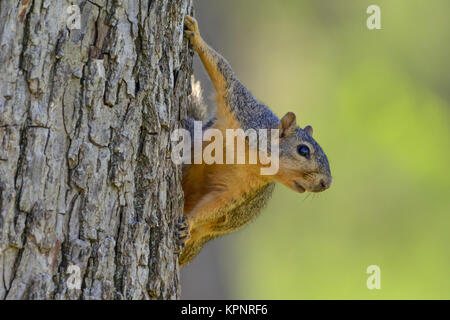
x,y
197,109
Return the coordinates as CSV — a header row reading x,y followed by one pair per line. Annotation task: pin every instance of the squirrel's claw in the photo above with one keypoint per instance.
x,y
181,234
189,35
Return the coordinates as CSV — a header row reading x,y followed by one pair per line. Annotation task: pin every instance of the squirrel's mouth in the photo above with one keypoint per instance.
x,y
299,187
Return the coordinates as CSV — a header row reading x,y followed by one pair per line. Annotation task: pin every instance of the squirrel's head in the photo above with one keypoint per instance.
x,y
303,164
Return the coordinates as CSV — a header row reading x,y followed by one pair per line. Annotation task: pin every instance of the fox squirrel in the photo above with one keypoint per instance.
x,y
220,198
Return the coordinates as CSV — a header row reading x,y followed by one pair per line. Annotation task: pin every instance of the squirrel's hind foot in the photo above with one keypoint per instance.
x,y
191,24
181,234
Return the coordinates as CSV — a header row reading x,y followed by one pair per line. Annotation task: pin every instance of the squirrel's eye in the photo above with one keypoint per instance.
x,y
303,151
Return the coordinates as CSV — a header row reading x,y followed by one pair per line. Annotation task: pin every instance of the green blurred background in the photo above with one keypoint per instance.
x,y
379,102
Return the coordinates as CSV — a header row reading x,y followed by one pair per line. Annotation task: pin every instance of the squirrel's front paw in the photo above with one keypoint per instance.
x,y
191,31
181,234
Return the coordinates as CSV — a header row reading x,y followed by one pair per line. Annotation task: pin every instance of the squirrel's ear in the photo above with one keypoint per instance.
x,y
287,124
309,130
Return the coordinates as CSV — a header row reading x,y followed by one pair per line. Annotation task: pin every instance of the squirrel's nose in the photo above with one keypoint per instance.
x,y
325,184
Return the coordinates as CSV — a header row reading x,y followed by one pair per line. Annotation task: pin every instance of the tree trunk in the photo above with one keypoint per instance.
x,y
88,193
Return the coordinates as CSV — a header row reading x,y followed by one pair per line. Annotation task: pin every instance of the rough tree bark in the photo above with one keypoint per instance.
x,y
86,180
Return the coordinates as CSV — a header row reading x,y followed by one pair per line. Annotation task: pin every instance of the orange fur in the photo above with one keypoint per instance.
x,y
210,188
